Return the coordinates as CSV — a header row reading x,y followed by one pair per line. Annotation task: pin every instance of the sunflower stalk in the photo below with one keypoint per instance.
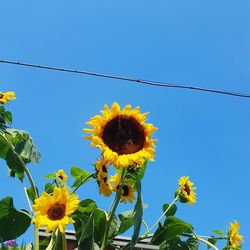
x,y
32,183
156,223
209,244
111,213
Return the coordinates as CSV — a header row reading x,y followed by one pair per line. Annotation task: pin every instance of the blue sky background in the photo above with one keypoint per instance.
x,y
205,136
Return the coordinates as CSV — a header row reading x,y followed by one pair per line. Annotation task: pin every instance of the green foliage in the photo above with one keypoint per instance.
x,y
17,148
172,210
218,232
126,221
31,194
171,230
13,223
138,213
5,118
80,176
212,240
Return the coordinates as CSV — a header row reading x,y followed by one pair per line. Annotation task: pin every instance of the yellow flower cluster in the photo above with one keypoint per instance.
x,y
235,239
186,190
7,96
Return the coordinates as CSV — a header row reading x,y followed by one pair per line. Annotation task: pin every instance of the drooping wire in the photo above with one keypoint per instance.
x,y
140,81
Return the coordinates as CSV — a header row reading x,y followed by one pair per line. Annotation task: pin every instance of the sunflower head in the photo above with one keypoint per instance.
x,y
62,175
101,167
122,135
235,240
128,191
54,211
7,96
186,190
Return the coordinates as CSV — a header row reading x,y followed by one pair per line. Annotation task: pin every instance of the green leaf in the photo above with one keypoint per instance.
x,y
50,176
13,223
127,221
113,228
100,220
31,194
138,213
49,188
7,116
172,210
23,145
142,170
171,229
219,232
212,240
15,164
177,244
4,147
79,175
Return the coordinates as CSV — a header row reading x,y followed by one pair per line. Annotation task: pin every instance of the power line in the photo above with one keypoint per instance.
x,y
140,81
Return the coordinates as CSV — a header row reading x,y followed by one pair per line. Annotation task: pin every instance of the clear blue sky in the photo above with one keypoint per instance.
x,y
205,136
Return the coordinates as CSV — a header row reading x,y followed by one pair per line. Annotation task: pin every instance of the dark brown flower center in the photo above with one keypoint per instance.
x,y
104,169
187,189
124,135
125,190
60,177
56,212
1,96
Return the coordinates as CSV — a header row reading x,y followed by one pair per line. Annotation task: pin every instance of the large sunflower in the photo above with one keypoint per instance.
x,y
54,211
128,191
122,135
101,167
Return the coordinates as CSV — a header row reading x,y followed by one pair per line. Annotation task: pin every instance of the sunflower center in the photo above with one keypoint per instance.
x,y
1,96
56,212
124,135
125,190
187,189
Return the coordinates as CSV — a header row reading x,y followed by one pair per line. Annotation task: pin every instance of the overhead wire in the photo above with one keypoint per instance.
x,y
138,81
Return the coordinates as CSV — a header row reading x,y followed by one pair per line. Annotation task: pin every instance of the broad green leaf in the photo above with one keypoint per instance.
x,y
113,228
79,175
212,240
177,244
138,213
172,210
7,116
100,220
171,229
142,170
219,232
13,223
24,145
127,221
4,147
49,188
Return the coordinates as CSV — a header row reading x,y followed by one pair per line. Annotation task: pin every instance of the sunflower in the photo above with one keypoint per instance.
x,y
54,211
235,239
7,96
122,135
186,190
128,191
101,167
62,175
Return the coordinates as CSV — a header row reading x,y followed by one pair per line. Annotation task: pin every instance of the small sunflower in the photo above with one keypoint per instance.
x,y
122,135
186,190
7,96
128,191
235,239
54,211
105,187
62,175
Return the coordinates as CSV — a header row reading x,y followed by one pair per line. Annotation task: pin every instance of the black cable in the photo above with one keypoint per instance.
x,y
148,82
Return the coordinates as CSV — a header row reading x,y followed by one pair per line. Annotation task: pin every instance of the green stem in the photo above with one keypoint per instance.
x,y
205,241
146,226
64,242
84,180
27,172
112,212
156,223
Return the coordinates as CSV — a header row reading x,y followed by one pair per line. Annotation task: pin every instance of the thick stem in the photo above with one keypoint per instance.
x,y
36,238
112,212
64,242
156,223
205,241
